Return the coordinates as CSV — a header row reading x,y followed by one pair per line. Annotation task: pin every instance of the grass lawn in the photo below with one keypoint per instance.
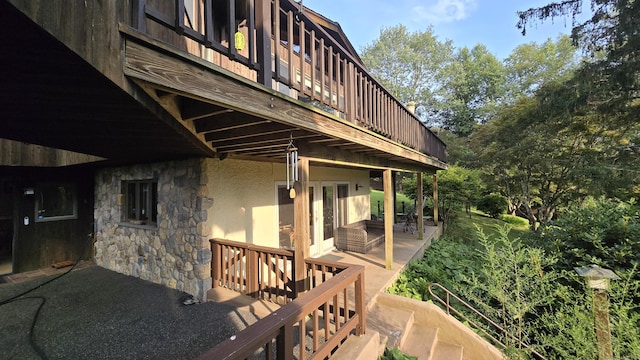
x,y
378,196
466,225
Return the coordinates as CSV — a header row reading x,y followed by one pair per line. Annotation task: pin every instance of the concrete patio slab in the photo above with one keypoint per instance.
x,y
95,313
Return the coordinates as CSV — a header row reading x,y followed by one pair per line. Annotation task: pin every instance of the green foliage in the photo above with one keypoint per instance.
x,y
395,354
459,151
493,205
602,232
410,65
530,290
530,66
512,284
602,97
444,262
377,196
474,84
514,220
457,187
611,40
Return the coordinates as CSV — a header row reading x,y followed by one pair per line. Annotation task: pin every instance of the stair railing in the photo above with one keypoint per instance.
x,y
450,309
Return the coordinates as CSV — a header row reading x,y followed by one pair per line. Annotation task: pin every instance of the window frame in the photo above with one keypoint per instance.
x,y
140,218
39,202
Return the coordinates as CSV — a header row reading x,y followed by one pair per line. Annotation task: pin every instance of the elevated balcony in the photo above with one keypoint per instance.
x,y
293,52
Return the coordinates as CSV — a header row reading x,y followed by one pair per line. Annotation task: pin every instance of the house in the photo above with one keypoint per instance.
x,y
146,128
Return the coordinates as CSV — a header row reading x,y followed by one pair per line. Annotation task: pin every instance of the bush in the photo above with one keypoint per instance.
x,y
602,232
493,205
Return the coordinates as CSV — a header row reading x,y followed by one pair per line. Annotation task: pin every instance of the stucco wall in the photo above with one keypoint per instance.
x,y
176,253
198,200
244,197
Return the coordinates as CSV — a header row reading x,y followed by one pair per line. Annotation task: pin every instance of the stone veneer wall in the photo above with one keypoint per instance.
x,y
176,253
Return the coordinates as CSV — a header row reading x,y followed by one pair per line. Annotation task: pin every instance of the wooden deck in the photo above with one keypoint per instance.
x,y
406,247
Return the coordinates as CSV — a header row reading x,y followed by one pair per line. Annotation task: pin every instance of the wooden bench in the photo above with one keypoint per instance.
x,y
360,236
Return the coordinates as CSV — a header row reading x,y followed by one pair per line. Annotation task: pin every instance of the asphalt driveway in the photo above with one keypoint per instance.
x,y
95,313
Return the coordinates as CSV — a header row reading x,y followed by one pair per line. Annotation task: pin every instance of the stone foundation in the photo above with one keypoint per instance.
x,y
175,253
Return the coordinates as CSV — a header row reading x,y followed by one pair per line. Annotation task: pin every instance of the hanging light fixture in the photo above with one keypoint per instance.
x,y
292,167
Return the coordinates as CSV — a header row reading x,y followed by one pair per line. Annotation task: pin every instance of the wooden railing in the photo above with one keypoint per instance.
x,y
312,325
257,271
291,49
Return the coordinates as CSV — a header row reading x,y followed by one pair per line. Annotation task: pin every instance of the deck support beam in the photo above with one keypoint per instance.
x,y
389,215
420,206
435,199
301,226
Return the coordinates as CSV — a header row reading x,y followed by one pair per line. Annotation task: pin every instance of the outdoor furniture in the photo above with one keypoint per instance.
x,y
360,236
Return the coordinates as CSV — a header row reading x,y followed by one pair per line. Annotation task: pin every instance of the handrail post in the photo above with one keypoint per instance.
x,y
448,304
263,29
215,268
138,16
360,305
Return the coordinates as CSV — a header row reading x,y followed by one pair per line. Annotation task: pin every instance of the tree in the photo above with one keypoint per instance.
x,y
458,149
607,87
542,155
529,66
610,38
474,85
409,65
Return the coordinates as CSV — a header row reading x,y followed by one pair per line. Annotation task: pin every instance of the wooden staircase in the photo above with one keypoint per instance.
x,y
416,328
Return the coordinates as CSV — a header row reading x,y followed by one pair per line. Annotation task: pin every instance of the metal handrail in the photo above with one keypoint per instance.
x,y
450,309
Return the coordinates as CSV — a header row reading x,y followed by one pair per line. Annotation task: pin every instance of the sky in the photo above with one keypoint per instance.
x,y
465,22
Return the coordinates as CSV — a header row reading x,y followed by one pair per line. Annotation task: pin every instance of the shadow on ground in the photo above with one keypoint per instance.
x,y
95,313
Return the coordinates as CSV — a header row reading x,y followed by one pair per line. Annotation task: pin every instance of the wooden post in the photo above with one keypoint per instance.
x,y
435,199
139,15
361,308
389,214
602,326
301,226
420,206
263,29
215,264
395,199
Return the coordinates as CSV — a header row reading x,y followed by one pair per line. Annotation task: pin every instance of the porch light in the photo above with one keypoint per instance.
x,y
292,167
596,277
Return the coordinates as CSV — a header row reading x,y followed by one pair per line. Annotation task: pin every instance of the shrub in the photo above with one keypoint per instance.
x,y
602,232
493,205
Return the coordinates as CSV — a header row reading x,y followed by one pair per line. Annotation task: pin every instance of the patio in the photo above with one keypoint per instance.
x,y
96,313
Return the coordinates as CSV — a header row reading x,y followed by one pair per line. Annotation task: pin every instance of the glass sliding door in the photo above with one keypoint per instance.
x,y
342,213
328,214
286,225
285,218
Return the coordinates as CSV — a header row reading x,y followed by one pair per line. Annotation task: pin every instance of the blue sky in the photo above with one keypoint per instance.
x,y
465,22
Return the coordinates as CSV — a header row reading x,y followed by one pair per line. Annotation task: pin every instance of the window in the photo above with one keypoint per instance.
x,y
56,202
141,202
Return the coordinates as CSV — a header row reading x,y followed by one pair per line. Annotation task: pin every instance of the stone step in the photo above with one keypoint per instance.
x,y
420,341
365,347
392,323
446,351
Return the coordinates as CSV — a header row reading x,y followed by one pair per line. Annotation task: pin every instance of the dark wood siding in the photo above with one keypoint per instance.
x,y
40,244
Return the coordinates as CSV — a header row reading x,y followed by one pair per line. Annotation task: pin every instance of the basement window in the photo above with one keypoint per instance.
x,y
56,202
141,202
